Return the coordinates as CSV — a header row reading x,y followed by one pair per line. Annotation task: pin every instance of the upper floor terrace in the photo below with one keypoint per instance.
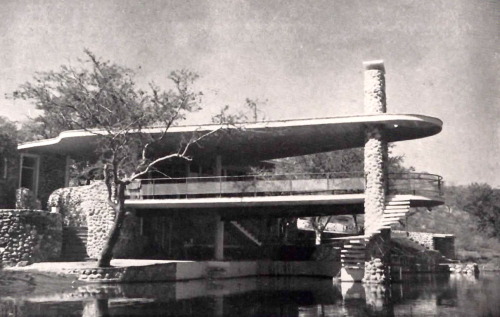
x,y
422,189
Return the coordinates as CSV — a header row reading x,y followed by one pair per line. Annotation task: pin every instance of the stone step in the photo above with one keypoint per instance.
x,y
395,213
355,259
360,248
404,213
355,246
399,213
353,256
397,203
349,252
351,237
393,217
397,206
389,222
350,246
386,221
355,267
361,264
352,260
390,212
358,241
396,210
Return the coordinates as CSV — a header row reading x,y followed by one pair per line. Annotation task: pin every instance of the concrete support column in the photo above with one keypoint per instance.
x,y
219,239
218,165
375,156
67,168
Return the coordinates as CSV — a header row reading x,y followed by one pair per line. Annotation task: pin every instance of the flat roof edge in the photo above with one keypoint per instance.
x,y
371,118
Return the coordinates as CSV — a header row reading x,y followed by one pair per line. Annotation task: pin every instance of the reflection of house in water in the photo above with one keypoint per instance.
x,y
214,208
263,296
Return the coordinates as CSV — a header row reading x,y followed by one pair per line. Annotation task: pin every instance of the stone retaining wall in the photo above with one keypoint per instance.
x,y
423,238
183,271
443,243
87,206
29,235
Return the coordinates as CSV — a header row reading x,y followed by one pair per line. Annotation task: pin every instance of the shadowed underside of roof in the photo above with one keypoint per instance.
x,y
252,142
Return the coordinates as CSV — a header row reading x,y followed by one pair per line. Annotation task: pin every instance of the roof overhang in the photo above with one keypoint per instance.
x,y
252,142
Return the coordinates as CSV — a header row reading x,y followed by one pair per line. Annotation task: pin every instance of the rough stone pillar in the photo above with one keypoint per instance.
x,y
375,155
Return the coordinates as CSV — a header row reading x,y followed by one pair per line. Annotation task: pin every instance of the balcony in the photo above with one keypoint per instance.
x,y
421,184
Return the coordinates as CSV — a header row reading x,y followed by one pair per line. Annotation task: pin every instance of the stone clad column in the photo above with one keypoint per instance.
x,y
375,169
375,146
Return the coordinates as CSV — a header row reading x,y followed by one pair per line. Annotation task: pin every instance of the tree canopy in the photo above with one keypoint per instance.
x,y
8,137
103,95
102,98
483,202
8,162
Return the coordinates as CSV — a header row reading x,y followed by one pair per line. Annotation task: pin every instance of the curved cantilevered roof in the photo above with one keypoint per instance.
x,y
252,142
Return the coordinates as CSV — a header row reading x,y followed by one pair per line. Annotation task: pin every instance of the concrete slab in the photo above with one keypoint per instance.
x,y
132,270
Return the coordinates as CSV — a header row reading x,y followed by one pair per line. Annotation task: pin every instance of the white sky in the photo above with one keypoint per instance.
x,y
304,57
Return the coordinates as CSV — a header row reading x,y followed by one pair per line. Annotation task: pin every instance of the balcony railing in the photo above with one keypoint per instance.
x,y
423,184
279,185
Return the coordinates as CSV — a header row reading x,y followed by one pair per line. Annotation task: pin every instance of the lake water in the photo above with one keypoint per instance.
x,y
424,295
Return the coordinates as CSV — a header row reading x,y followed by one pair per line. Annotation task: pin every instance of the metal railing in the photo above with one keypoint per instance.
x,y
423,184
279,185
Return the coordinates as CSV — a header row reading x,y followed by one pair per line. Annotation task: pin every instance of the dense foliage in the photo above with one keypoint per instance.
x,y
482,202
8,163
471,213
341,161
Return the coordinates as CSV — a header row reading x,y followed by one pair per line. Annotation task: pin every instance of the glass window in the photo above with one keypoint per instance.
x,y
29,173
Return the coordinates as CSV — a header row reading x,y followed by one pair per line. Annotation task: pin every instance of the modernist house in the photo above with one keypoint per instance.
x,y
213,207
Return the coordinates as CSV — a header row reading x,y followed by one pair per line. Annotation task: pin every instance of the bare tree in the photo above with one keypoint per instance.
x,y
319,225
130,124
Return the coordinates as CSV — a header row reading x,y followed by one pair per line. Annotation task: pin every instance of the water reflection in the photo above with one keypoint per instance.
x,y
422,295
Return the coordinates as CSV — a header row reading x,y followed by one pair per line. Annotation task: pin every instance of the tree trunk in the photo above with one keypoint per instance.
x,y
318,237
114,234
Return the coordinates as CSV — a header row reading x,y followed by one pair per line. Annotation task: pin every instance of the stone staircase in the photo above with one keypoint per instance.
x,y
246,232
74,247
395,210
353,252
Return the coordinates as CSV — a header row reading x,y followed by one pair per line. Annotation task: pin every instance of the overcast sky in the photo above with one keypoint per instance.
x,y
304,57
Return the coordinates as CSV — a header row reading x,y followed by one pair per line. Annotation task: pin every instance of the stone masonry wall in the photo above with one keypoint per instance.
x,y
432,241
87,206
378,255
29,235
423,238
